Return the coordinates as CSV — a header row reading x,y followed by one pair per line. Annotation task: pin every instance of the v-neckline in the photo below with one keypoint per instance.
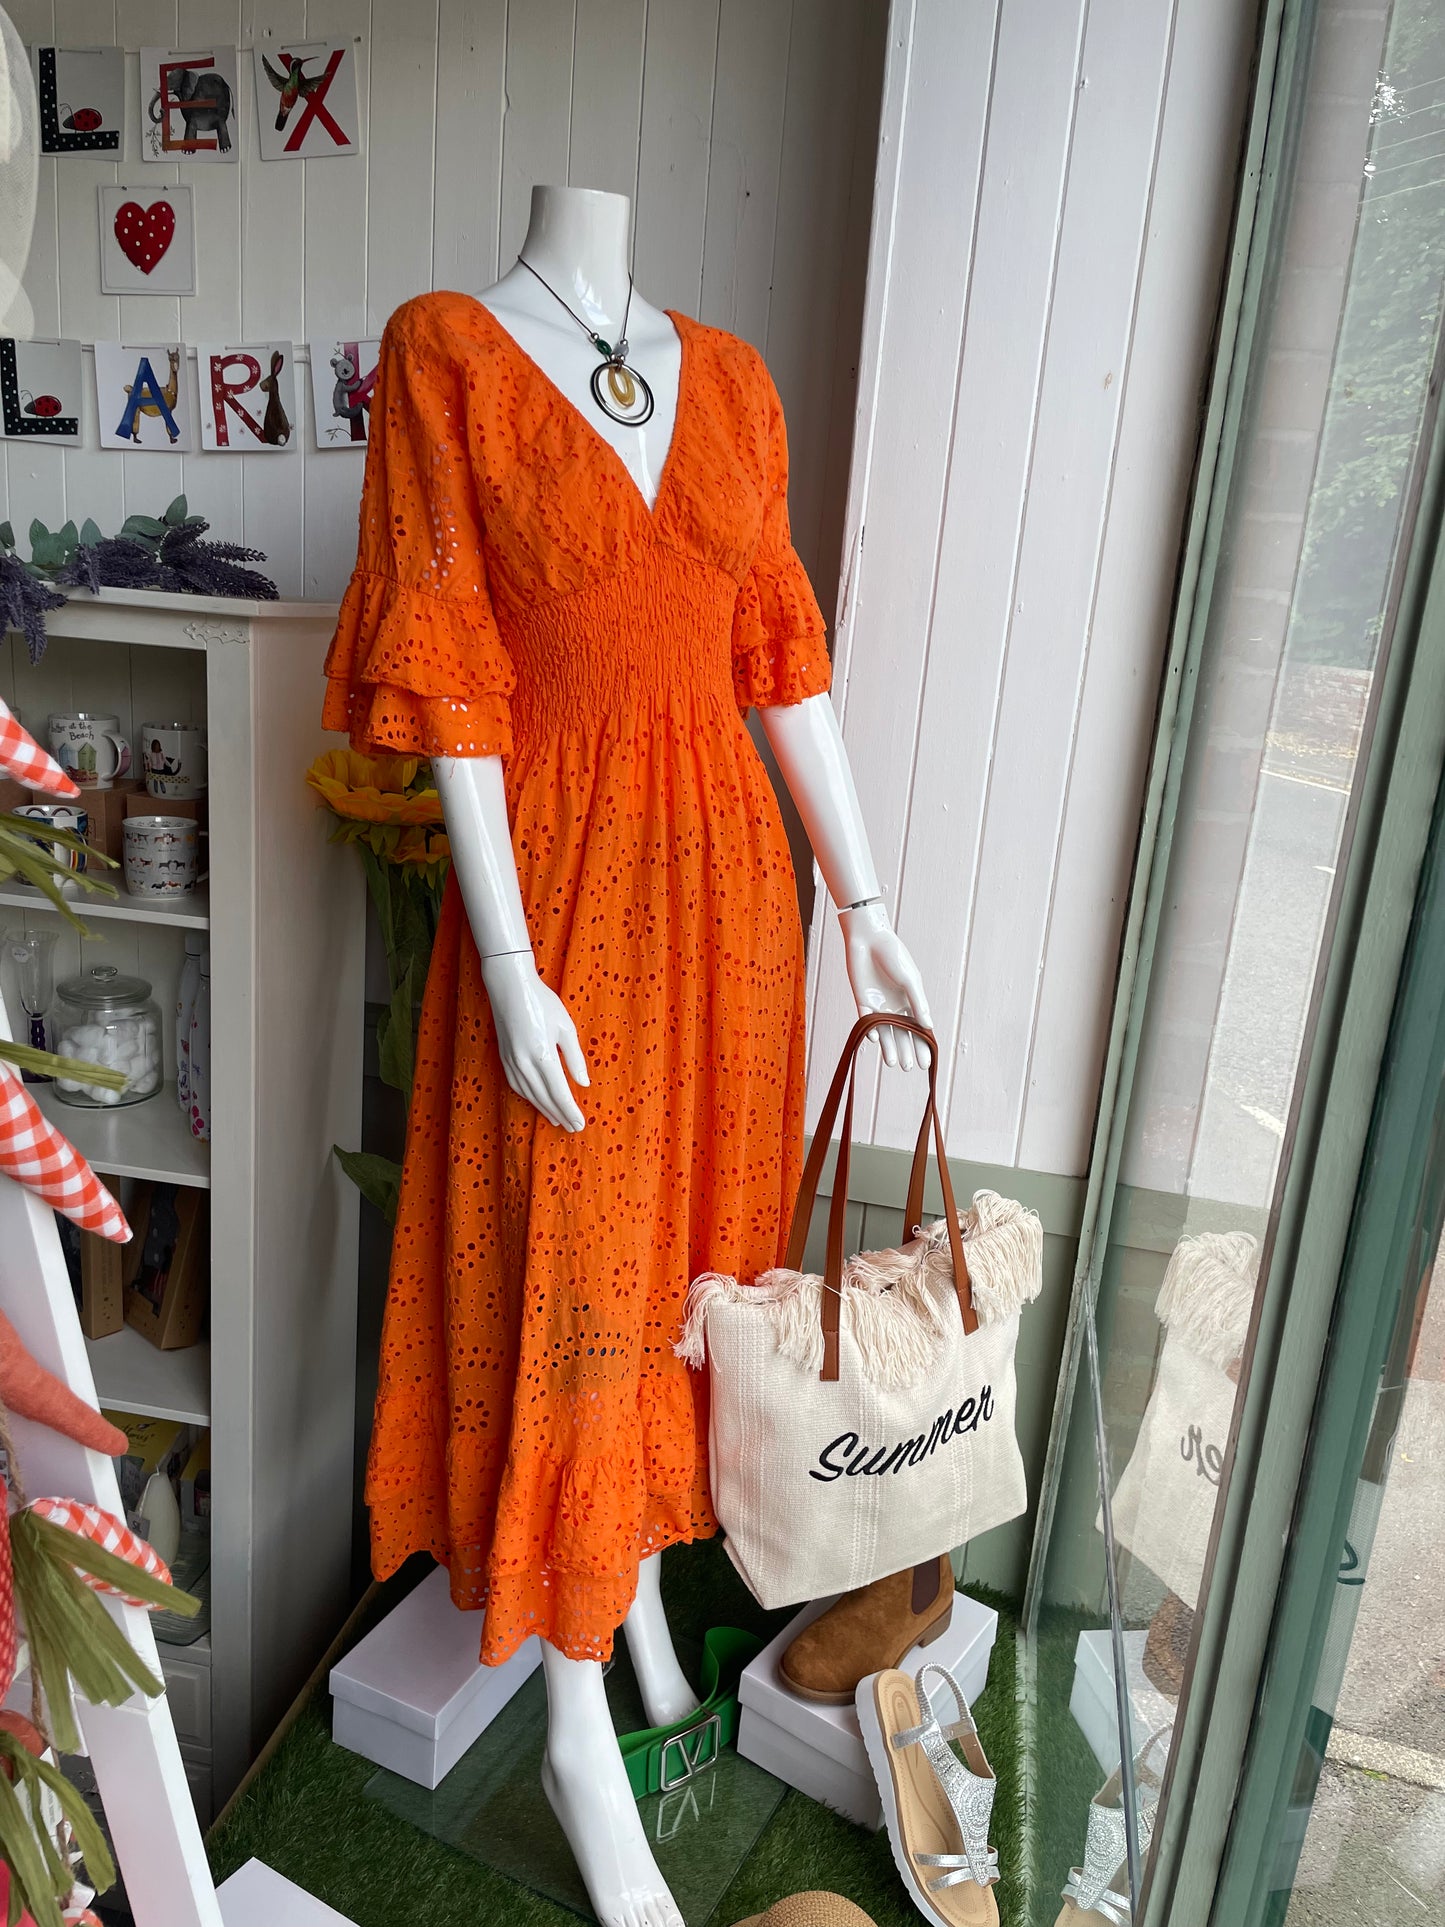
x,y
651,511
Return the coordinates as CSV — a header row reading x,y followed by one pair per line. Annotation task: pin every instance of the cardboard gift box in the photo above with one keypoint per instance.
x,y
140,802
167,1264
107,810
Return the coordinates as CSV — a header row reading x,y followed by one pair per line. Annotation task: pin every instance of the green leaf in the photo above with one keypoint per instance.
x,y
176,513
26,1058
144,528
38,532
90,533
7,536
396,1038
378,1179
70,537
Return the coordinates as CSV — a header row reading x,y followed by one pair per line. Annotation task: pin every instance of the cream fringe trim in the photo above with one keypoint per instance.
x,y
1208,1291
894,1302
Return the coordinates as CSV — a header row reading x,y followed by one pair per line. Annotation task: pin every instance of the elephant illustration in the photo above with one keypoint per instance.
x,y
204,100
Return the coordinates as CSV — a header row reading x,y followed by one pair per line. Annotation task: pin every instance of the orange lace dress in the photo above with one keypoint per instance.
x,y
515,596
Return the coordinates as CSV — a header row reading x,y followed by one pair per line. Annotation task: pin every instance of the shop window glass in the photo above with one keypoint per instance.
x,y
1319,515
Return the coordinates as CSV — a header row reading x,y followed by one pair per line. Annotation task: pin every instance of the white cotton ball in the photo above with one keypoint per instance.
x,y
67,1084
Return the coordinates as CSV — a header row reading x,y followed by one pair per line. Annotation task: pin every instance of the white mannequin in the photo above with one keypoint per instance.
x,y
578,240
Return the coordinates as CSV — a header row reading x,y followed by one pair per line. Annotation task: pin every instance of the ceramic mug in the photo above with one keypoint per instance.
x,y
60,816
173,756
90,749
161,855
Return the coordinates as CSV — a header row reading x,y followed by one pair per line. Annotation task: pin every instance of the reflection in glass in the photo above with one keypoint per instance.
x,y
1300,607
1365,1834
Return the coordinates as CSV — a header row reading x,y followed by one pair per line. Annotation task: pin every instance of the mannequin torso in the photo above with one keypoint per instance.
x,y
577,242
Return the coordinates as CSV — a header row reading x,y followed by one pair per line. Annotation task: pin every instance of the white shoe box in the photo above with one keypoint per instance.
x,y
413,1694
819,1749
254,1896
1094,1706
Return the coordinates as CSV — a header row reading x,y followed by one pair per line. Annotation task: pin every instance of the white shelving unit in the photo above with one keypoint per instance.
x,y
187,913
284,916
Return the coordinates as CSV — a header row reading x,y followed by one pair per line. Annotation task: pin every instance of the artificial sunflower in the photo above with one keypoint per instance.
x,y
389,809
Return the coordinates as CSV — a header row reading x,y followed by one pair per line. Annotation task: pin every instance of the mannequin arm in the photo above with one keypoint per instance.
x,y
532,1022
808,745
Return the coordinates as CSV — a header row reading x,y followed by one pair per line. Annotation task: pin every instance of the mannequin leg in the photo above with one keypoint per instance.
x,y
586,1785
665,1692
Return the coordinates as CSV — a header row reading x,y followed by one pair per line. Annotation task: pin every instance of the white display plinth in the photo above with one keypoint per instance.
x,y
818,1749
256,1897
1092,1700
413,1695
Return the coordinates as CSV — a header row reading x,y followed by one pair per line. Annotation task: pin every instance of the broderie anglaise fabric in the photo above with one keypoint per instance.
x,y
514,595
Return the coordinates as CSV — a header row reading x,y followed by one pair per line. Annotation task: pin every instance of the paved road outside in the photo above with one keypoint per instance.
x,y
1374,1849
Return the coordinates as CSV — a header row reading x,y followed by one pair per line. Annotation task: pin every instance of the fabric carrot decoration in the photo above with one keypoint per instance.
x,y
71,1634
22,758
113,1536
27,1388
35,1154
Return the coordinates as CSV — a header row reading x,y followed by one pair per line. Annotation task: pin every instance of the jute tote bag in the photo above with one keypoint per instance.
x,y
863,1422
1164,1504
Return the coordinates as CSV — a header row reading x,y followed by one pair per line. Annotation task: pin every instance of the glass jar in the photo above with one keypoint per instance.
x,y
104,1018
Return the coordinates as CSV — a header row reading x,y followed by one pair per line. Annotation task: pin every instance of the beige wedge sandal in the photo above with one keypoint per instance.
x,y
937,1807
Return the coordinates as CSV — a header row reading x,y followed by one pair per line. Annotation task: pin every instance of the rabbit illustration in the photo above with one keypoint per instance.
x,y
276,424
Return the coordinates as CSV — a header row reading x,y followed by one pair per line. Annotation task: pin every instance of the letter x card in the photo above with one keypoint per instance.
x,y
306,98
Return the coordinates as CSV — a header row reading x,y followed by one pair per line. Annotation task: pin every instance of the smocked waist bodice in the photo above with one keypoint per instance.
x,y
634,640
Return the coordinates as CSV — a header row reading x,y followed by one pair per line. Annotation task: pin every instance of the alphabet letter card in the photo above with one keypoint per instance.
x,y
306,99
343,374
81,91
40,389
188,105
248,398
143,396
147,240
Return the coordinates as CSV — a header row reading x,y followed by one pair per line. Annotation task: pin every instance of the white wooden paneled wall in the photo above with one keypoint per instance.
x,y
1055,183
744,130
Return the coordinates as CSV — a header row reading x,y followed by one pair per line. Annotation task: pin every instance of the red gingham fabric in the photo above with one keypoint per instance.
x,y
34,1153
23,758
103,1529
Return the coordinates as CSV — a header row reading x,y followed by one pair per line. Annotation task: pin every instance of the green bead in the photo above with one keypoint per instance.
x,y
604,348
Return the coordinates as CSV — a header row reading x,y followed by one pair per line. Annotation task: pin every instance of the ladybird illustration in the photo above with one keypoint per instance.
x,y
84,120
45,405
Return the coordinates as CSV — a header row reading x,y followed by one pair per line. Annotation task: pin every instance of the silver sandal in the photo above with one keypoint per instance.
x,y
937,1806
1101,1886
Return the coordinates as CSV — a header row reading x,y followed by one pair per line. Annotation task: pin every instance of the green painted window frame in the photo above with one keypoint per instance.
x,y
1205,1859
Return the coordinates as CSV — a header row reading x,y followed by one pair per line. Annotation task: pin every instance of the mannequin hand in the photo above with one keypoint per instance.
x,y
885,977
533,1026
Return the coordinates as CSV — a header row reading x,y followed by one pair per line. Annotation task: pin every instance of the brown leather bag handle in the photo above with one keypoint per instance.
x,y
813,1171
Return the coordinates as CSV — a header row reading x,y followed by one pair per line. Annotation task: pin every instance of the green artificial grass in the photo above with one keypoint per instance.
x,y
306,1814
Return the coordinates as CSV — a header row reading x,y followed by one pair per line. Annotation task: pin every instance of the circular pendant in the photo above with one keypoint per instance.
x,y
619,391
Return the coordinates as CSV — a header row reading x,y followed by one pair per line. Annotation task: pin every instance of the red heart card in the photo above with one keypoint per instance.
x,y
144,233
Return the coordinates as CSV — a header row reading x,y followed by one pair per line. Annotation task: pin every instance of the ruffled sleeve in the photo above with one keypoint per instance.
x,y
779,645
418,663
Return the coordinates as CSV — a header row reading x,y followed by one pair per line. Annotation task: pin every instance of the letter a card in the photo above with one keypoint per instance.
x,y
143,396
306,99
188,105
40,390
248,398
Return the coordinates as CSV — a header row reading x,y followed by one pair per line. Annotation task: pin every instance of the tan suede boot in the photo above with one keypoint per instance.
x,y
869,1630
